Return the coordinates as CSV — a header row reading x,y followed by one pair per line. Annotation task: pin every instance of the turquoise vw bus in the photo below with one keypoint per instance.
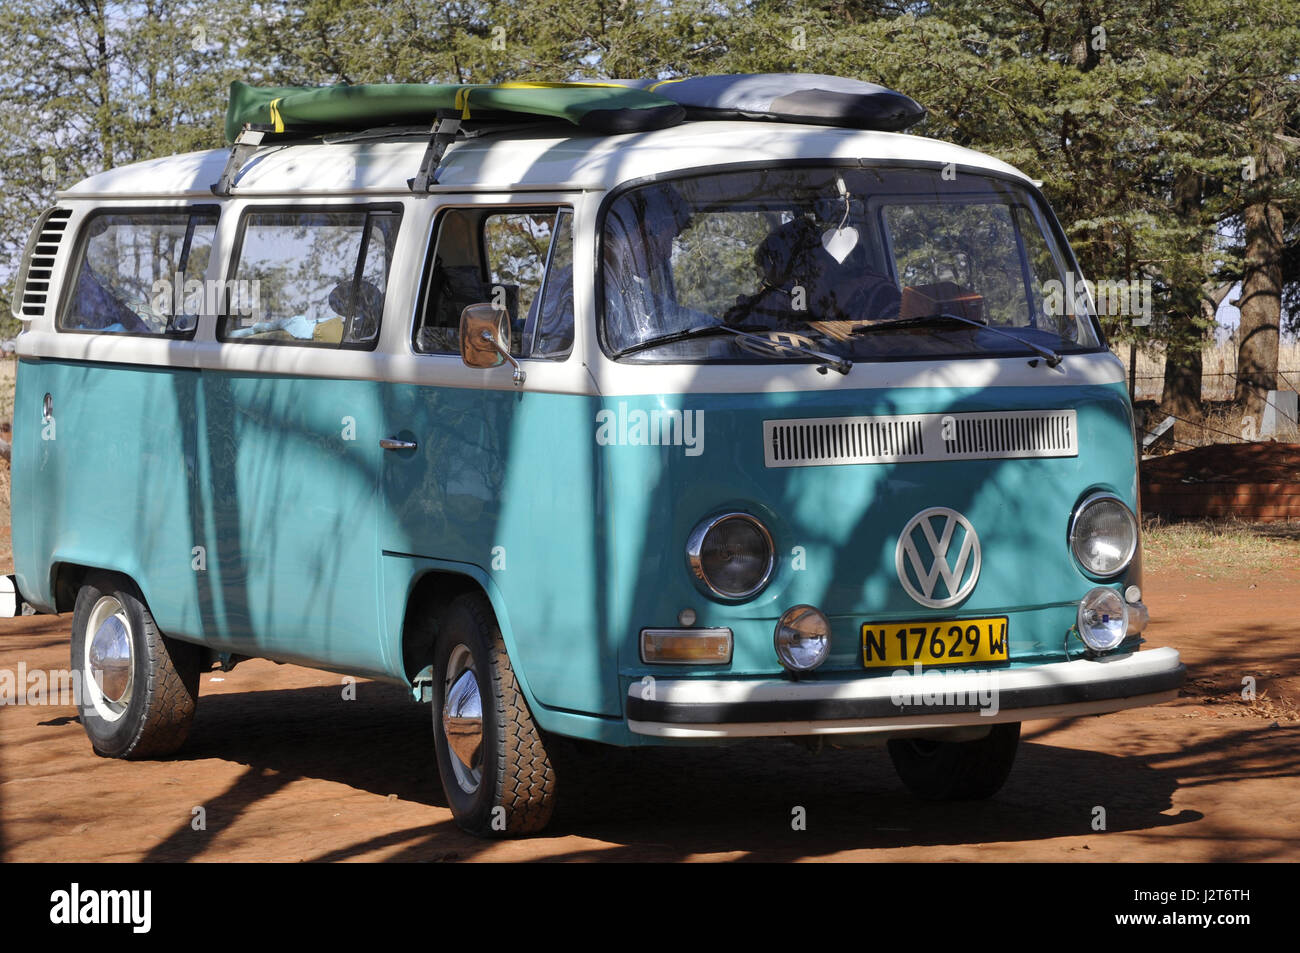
x,y
632,414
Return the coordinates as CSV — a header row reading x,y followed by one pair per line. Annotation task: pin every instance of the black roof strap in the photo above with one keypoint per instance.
x,y
246,143
445,129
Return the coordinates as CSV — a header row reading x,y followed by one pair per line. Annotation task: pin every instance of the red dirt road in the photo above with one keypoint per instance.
x,y
285,769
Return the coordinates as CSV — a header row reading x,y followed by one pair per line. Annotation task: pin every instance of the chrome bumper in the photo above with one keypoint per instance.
x,y
902,702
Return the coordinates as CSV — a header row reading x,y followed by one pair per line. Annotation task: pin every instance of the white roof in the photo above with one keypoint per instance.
x,y
546,157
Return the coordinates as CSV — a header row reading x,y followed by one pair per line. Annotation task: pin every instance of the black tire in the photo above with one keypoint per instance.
x,y
514,792
153,719
957,770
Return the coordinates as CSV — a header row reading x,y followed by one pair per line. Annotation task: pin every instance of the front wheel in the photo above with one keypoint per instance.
x,y
138,688
957,770
494,766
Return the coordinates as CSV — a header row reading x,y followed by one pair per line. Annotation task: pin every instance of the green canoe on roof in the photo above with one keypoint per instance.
x,y
313,109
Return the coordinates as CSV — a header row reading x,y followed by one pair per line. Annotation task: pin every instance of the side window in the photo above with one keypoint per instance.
x,y
133,272
311,277
519,261
549,327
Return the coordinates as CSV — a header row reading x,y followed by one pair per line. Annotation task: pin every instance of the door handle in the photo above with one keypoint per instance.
x,y
389,443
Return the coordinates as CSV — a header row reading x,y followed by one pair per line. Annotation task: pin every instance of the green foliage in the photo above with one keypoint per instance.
x,y
1107,103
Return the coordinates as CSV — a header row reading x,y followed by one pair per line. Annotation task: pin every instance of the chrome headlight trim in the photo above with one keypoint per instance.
x,y
695,546
1102,637
1079,510
794,621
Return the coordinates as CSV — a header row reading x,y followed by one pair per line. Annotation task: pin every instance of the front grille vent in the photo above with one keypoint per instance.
x,y
840,441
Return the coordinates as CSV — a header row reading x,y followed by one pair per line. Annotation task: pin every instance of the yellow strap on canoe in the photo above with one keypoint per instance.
x,y
276,121
462,101
664,82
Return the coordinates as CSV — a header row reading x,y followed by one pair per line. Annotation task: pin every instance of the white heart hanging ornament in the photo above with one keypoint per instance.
x,y
841,240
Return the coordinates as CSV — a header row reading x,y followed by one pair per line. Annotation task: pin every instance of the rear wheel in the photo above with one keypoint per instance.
x,y
138,688
957,770
494,765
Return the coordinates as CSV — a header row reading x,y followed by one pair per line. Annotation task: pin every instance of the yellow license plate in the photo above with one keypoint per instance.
x,y
950,642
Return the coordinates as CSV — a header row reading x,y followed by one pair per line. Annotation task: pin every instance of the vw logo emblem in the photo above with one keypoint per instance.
x,y
938,543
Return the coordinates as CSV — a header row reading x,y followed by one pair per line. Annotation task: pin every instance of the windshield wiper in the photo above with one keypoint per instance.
x,y
1047,354
744,331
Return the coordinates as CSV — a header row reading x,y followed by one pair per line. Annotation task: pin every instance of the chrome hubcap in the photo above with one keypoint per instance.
x,y
462,720
109,667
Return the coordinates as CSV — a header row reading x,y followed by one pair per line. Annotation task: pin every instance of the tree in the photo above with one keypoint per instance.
x,y
90,85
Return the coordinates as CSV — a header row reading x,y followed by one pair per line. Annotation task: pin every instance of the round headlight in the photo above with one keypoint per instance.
x,y
803,638
1103,619
731,554
1103,535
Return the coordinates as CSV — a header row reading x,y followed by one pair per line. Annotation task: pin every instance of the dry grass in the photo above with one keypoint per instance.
x,y
1226,423
1219,363
8,367
1223,421
1219,548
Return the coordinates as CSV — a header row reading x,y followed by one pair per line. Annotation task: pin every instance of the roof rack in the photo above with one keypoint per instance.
x,y
607,107
246,143
445,129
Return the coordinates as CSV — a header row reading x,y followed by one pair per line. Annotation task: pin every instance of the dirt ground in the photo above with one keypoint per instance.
x,y
285,769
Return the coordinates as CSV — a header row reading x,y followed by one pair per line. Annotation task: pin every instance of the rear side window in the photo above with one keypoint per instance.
x,y
141,272
311,277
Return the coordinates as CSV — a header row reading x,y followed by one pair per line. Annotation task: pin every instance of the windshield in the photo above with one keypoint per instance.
x,y
818,257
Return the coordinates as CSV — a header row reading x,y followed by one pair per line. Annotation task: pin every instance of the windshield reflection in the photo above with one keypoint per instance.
x,y
812,256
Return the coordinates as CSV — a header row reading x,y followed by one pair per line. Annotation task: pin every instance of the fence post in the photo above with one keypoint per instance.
x,y
1132,371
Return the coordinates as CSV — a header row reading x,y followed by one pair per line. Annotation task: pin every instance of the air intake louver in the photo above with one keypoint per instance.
x,y
837,441
40,266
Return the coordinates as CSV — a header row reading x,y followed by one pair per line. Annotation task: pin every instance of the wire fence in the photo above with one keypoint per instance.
x,y
1150,386
1222,421
1217,425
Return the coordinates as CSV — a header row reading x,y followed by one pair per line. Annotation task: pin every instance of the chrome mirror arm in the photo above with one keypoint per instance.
x,y
490,338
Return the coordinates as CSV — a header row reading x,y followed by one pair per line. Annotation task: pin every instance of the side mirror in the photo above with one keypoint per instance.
x,y
483,328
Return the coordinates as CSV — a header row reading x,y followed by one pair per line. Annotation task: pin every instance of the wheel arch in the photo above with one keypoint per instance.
x,y
68,575
432,585
431,591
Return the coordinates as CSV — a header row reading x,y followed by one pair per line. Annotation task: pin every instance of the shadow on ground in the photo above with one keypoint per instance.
x,y
670,803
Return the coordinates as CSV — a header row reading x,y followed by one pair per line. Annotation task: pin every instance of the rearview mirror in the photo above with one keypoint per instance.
x,y
483,328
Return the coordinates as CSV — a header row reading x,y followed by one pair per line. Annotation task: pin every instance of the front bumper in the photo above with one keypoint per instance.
x,y
902,703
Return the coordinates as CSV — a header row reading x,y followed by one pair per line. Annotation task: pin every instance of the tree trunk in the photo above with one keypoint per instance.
x,y
104,84
1261,285
1185,339
1182,391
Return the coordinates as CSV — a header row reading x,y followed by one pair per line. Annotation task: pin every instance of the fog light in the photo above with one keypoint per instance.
x,y
803,638
686,646
1103,619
